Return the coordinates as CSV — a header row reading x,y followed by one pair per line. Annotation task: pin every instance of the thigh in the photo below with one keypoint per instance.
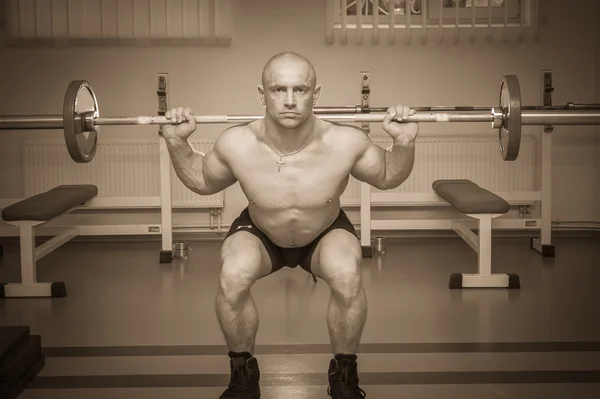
x,y
243,254
337,253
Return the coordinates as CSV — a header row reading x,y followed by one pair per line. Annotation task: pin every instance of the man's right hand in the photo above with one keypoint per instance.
x,y
183,124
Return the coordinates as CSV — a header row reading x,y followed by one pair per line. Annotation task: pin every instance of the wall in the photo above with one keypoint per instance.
x,y
574,147
215,80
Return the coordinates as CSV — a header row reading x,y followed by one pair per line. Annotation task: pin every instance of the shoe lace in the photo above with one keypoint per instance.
x,y
346,384
239,380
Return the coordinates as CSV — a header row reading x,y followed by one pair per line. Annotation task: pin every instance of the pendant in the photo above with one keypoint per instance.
x,y
279,163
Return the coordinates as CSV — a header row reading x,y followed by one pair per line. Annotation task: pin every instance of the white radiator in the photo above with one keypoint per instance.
x,y
130,168
120,168
474,158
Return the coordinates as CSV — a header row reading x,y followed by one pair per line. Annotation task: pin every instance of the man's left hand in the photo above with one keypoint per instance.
x,y
394,126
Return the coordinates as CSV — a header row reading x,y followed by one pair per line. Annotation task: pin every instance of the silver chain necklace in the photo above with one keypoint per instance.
x,y
281,156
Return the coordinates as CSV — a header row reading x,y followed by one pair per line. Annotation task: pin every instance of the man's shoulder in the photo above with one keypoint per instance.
x,y
233,140
235,131
348,134
234,135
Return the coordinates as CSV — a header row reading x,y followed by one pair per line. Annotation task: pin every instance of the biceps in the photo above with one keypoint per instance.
x,y
370,167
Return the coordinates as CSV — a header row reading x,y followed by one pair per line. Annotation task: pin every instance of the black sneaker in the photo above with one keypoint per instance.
x,y
343,378
245,376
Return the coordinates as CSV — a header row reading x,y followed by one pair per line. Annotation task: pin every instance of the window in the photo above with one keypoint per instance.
x,y
431,12
384,6
481,10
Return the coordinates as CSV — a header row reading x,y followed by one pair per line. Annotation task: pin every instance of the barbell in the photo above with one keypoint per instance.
x,y
81,118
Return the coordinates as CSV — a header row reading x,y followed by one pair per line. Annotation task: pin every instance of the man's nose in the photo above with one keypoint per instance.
x,y
290,100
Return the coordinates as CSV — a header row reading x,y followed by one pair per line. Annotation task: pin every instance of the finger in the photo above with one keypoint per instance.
x,y
413,111
390,115
393,111
180,116
405,112
170,115
189,116
400,113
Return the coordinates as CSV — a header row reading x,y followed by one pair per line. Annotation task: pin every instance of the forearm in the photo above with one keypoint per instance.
x,y
399,162
188,165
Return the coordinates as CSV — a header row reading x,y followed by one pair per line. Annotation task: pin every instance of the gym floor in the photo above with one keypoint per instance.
x,y
133,328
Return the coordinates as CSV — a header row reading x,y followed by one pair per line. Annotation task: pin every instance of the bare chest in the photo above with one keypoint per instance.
x,y
306,179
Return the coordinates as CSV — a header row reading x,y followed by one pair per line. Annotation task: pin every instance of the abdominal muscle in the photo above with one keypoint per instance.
x,y
294,226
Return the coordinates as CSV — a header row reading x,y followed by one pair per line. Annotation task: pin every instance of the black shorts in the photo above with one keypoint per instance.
x,y
288,257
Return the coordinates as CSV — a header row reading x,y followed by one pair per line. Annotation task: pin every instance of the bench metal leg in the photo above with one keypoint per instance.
x,y
55,242
28,270
29,287
484,258
482,244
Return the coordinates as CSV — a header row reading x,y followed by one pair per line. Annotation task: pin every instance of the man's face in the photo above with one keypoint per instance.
x,y
289,92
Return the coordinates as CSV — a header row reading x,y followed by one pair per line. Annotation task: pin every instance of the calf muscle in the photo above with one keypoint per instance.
x,y
337,261
238,319
243,263
346,317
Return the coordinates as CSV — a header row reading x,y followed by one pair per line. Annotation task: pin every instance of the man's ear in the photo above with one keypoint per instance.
x,y
317,94
261,94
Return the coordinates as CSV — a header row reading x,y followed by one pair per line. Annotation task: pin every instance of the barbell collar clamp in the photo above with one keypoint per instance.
x,y
497,118
89,120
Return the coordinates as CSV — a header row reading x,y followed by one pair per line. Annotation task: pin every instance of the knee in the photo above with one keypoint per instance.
x,y
344,278
238,273
348,286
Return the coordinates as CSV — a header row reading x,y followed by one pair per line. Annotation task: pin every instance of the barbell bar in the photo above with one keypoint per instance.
x,y
81,119
532,115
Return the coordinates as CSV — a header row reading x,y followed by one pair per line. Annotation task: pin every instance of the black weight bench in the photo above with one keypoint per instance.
x,y
478,203
36,211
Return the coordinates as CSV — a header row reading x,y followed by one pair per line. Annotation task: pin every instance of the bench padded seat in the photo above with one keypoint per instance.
x,y
468,197
50,204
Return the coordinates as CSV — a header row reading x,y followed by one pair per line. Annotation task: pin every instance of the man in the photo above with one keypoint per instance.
x,y
293,168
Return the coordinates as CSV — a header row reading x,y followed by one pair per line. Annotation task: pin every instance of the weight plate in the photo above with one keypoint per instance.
x,y
510,131
80,100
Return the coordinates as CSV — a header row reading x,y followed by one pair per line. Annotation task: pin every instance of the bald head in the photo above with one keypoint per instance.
x,y
289,90
289,62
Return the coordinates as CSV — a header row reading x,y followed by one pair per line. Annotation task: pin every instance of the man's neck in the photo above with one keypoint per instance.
x,y
288,140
